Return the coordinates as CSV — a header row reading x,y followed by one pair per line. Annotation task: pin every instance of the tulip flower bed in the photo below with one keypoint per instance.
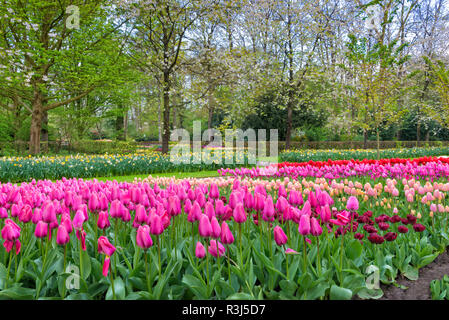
x,y
324,155
217,238
423,168
18,169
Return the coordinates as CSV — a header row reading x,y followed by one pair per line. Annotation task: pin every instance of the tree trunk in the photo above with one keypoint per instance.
x,y
209,122
418,133
44,131
288,133
36,123
211,107
125,126
159,124
290,88
119,124
378,143
365,138
166,125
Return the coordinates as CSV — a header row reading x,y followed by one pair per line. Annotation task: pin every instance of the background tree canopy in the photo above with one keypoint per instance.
x,y
135,70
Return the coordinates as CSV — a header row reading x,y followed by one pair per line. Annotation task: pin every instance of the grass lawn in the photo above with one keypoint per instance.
x,y
179,175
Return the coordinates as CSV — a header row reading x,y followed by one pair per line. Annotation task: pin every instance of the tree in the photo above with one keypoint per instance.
x,y
41,41
160,30
440,74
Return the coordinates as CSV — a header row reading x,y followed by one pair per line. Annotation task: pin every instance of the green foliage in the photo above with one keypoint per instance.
x,y
270,112
90,166
99,147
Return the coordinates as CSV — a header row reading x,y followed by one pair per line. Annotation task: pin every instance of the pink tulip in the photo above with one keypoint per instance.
x,y
279,236
3,213
66,222
200,251
281,191
195,213
312,199
156,227
291,251
143,238
304,225
268,210
105,247
93,203
116,209
249,200
26,214
15,210
352,204
220,209
281,204
141,214
204,227
200,198
214,193
78,220
62,237
295,198
11,231
325,213
174,206
226,234
103,220
316,229
209,210
213,248
41,230
234,199
81,235
216,229
107,262
259,202
187,206
8,244
48,213
239,213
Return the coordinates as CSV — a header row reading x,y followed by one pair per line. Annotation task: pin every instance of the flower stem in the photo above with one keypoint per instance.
x,y
146,272
63,270
9,267
207,265
112,285
305,254
341,259
159,257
